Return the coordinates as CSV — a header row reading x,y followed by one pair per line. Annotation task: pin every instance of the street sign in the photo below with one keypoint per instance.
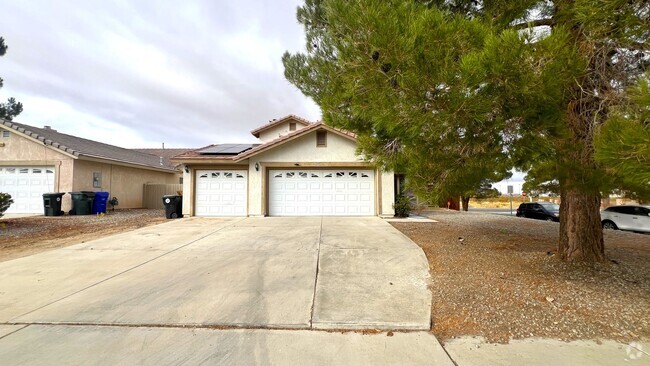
x,y
523,194
510,190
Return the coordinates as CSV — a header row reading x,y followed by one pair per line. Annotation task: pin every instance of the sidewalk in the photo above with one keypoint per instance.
x,y
469,351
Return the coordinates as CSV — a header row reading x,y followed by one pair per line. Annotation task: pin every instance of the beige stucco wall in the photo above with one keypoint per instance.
x,y
20,150
278,131
125,183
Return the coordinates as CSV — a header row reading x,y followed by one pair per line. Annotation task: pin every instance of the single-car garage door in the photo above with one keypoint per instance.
x,y
26,185
340,192
221,193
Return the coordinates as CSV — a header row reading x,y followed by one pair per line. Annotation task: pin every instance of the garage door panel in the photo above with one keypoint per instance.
x,y
26,186
221,193
324,192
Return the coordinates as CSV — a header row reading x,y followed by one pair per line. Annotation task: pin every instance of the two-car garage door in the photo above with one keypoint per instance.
x,y
26,185
340,192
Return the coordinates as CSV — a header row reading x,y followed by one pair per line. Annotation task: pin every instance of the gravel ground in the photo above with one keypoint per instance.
x,y
498,277
24,236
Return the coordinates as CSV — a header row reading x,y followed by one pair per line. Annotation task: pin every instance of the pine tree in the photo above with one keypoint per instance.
x,y
12,108
447,92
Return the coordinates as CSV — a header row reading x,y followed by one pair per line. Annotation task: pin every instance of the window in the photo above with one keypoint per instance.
x,y
215,175
227,175
6,134
239,175
364,175
205,175
340,174
23,171
292,126
321,138
290,174
278,175
302,174
314,175
328,175
352,174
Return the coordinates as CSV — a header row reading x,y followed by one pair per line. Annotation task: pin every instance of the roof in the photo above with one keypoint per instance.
x,y
166,154
256,132
81,147
293,135
226,149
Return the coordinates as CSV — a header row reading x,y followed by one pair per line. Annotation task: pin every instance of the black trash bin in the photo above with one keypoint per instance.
x,y
173,206
52,204
82,203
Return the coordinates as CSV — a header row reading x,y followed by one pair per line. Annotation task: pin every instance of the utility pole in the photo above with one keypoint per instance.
x,y
510,190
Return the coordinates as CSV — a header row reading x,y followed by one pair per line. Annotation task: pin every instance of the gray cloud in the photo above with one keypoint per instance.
x,y
143,72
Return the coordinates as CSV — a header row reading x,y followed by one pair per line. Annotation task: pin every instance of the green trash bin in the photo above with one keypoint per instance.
x,y
52,204
82,203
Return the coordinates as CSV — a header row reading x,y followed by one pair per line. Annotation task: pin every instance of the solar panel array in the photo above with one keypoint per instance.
x,y
227,149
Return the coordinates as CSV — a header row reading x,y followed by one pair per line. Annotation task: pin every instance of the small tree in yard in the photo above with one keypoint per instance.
x,y
5,202
12,108
449,90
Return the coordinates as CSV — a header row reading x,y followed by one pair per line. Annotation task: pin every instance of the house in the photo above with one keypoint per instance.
x,y
36,160
299,168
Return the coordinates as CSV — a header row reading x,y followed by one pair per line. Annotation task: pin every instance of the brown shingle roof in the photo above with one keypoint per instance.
x,y
275,122
166,154
78,146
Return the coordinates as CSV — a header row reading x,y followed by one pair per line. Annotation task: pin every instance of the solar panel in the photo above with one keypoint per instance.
x,y
226,149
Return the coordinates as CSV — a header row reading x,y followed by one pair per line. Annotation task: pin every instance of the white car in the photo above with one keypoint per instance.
x,y
628,217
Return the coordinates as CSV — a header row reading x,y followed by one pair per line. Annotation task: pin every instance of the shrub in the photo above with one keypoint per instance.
x,y
5,202
402,206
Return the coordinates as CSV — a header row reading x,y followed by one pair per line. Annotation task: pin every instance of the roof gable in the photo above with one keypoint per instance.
x,y
292,136
256,132
80,147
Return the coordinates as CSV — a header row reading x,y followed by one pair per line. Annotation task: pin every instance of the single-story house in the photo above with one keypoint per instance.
x,y
299,168
36,160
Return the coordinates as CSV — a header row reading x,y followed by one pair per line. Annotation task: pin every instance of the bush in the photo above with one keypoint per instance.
x,y
402,206
5,202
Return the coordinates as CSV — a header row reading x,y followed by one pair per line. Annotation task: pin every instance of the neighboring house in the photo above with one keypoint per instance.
x,y
36,160
299,169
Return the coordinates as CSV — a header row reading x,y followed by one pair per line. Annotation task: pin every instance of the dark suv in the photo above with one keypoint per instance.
x,y
539,210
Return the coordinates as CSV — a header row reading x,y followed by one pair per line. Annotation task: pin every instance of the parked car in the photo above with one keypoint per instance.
x,y
539,210
628,217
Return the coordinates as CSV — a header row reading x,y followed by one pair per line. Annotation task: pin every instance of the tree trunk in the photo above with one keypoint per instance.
x,y
465,201
581,233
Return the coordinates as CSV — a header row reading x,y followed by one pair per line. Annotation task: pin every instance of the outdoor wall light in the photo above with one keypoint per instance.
x,y
187,169
257,167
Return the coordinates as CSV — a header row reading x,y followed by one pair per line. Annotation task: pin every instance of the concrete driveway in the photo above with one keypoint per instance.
x,y
254,286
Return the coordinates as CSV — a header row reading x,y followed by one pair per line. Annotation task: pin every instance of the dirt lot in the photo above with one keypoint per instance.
x,y
498,277
24,236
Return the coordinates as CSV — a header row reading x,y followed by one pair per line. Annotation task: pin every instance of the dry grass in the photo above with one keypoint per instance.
x,y
503,281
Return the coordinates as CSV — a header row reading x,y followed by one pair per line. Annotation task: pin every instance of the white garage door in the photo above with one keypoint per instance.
x,y
221,193
340,192
26,186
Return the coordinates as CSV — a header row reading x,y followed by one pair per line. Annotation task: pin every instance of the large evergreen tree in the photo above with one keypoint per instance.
x,y
12,108
450,92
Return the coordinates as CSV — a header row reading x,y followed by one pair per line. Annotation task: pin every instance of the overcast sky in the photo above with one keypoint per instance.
x,y
139,73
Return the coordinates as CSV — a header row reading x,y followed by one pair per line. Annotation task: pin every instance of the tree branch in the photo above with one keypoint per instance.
x,y
535,23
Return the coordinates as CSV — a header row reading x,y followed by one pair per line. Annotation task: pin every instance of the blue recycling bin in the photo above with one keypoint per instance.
x,y
99,203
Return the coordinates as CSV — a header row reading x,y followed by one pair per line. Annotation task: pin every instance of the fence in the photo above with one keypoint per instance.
x,y
152,195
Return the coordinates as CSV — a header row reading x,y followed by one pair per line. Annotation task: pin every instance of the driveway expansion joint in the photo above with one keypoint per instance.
x,y
313,300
